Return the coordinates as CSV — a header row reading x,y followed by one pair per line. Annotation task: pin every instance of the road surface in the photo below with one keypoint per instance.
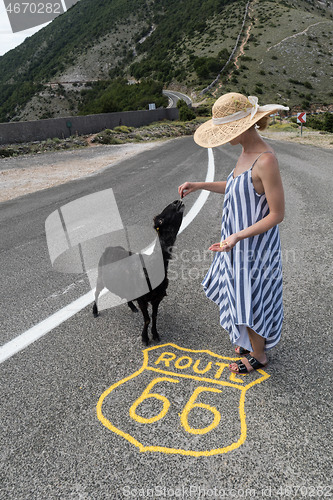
x,y
88,413
174,97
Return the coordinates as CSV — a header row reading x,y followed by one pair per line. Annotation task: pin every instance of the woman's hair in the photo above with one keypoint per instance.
x,y
263,122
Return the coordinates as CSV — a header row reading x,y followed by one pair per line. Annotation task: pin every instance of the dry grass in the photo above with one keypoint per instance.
x,y
310,137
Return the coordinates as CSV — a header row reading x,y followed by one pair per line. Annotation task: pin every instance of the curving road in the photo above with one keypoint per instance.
x,y
174,97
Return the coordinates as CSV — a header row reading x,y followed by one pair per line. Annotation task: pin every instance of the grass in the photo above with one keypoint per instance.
x,y
283,127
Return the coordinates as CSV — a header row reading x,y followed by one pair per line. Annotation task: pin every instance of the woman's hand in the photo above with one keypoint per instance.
x,y
225,245
187,188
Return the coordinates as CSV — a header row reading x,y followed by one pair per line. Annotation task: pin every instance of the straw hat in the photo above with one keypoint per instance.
x,y
232,114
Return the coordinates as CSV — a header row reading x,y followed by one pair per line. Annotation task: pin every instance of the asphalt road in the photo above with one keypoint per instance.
x,y
174,97
69,431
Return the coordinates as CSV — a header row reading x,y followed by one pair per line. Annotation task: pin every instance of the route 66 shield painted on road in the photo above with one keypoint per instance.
x,y
180,401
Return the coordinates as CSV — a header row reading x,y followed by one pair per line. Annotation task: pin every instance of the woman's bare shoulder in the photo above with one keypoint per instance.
x,y
268,157
267,164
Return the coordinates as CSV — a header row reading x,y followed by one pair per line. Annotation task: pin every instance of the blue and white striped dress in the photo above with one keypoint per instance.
x,y
246,282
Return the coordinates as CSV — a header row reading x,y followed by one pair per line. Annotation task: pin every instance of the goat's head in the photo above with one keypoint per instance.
x,y
168,222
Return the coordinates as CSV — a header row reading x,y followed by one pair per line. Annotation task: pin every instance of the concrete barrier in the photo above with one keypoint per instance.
x,y
15,132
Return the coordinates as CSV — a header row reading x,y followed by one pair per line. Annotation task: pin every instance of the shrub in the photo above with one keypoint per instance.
x,y
185,113
116,95
305,104
123,128
295,82
315,122
323,122
104,138
4,152
203,110
208,67
328,122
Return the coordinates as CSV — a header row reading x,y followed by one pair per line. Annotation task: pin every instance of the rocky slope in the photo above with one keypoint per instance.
x,y
282,50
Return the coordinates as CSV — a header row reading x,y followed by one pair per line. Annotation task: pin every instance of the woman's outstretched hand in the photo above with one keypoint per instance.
x,y
187,188
225,245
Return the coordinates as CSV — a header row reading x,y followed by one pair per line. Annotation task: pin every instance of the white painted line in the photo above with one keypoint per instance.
x,y
44,327
63,5
199,203
36,332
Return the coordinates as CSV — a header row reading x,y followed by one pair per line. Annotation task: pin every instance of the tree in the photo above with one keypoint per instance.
x,y
185,113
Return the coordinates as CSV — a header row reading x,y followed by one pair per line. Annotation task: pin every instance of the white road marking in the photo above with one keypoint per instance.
x,y
199,203
36,332
63,5
44,327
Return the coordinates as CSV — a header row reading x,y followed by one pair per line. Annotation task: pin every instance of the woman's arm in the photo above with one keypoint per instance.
x,y
190,187
269,174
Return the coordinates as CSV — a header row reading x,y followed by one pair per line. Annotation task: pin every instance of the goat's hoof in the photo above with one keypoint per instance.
x,y
156,337
95,310
146,341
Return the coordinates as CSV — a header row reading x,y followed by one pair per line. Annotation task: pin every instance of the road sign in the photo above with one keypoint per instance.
x,y
301,117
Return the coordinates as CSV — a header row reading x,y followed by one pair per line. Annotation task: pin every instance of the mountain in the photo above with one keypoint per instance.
x,y
281,51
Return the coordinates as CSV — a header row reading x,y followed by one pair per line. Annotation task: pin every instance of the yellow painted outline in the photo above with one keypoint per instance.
x,y
167,450
192,404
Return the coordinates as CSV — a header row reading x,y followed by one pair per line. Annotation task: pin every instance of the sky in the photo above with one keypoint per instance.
x,y
9,40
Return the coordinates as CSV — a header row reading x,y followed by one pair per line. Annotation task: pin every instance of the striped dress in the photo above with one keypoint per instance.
x,y
246,282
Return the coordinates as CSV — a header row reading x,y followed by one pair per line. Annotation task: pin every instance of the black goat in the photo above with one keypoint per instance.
x,y
167,224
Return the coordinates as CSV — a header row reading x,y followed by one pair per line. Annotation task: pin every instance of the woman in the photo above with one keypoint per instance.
x,y
245,278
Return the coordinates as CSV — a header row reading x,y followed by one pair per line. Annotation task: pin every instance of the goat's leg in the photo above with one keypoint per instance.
x,y
154,316
99,288
144,309
132,307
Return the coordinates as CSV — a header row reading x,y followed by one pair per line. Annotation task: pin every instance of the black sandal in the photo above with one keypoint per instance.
x,y
253,362
242,351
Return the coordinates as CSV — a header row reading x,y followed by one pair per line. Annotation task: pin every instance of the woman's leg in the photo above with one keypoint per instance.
x,y
258,350
258,346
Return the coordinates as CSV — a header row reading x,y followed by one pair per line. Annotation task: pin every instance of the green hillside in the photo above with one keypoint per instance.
x,y
284,53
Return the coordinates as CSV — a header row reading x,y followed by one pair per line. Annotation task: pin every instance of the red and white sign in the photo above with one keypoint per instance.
x,y
301,117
